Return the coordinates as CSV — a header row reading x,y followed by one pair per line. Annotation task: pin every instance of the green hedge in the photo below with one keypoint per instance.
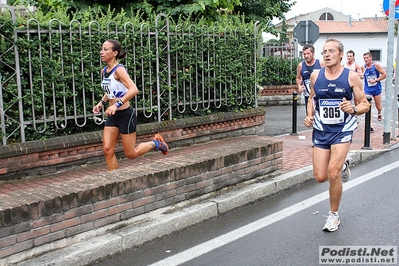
x,y
225,56
277,71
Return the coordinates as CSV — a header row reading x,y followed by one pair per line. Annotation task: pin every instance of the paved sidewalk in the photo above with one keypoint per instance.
x,y
297,150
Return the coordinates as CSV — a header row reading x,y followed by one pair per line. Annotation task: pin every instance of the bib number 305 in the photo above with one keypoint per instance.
x,y
330,112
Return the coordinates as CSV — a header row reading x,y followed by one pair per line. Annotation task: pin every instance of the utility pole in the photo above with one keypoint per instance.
x,y
388,81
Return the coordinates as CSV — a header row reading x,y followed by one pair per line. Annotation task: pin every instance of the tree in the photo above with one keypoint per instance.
x,y
45,5
193,8
264,10
283,34
254,10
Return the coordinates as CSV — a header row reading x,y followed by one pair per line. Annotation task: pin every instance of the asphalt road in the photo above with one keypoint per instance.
x,y
287,229
279,120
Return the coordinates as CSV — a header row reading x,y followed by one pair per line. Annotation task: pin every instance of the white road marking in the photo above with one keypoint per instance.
x,y
225,239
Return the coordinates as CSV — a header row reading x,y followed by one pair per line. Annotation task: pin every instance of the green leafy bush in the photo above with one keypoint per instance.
x,y
277,71
194,69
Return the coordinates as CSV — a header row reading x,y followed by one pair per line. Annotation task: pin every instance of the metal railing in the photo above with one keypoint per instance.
x,y
55,89
172,81
282,54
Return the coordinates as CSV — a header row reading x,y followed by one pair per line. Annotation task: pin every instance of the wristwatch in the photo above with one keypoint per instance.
x,y
354,110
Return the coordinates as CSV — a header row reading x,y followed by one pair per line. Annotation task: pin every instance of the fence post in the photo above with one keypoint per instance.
x,y
2,117
367,128
294,113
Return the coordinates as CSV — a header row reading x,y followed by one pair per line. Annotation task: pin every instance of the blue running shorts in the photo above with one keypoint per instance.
x,y
324,140
373,91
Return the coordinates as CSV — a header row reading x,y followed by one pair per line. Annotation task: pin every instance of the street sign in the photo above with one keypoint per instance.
x,y
385,6
307,32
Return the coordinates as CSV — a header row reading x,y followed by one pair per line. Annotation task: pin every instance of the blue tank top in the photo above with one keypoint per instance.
x,y
328,115
371,73
305,73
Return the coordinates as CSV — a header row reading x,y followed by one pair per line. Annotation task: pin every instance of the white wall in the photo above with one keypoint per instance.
x,y
360,44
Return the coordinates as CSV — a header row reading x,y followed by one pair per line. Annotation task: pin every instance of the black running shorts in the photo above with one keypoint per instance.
x,y
125,120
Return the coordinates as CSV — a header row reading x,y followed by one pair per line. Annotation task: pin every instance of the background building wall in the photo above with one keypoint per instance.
x,y
359,43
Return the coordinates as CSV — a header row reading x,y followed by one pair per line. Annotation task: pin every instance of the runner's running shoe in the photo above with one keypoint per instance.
x,y
332,222
346,172
160,144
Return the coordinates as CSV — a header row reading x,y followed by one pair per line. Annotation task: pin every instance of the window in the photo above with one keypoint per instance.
x,y
376,55
326,16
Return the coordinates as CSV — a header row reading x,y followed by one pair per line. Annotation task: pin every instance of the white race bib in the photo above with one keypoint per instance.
x,y
370,78
106,85
330,111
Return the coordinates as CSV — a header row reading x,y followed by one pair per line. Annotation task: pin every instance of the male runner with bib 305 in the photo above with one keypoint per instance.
x,y
333,118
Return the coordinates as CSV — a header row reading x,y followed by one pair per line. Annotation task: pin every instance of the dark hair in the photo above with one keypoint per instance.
x,y
351,52
368,53
308,46
116,46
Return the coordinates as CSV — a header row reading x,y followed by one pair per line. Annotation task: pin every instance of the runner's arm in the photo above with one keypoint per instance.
x,y
383,74
360,99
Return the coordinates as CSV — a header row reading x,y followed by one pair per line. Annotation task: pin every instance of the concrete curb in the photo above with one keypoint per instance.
x,y
258,191
159,223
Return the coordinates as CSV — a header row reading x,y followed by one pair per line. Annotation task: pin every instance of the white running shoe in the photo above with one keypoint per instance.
x,y
346,172
332,222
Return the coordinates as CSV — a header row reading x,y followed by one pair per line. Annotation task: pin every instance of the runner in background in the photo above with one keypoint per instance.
x,y
373,74
352,65
304,69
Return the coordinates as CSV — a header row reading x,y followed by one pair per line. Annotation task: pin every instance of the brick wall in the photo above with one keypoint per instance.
x,y
278,90
47,156
277,95
41,221
47,221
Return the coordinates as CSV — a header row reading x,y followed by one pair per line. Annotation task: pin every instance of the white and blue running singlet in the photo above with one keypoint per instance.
x,y
329,94
112,87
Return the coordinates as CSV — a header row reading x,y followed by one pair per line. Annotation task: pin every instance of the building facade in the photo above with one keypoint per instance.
x,y
360,35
